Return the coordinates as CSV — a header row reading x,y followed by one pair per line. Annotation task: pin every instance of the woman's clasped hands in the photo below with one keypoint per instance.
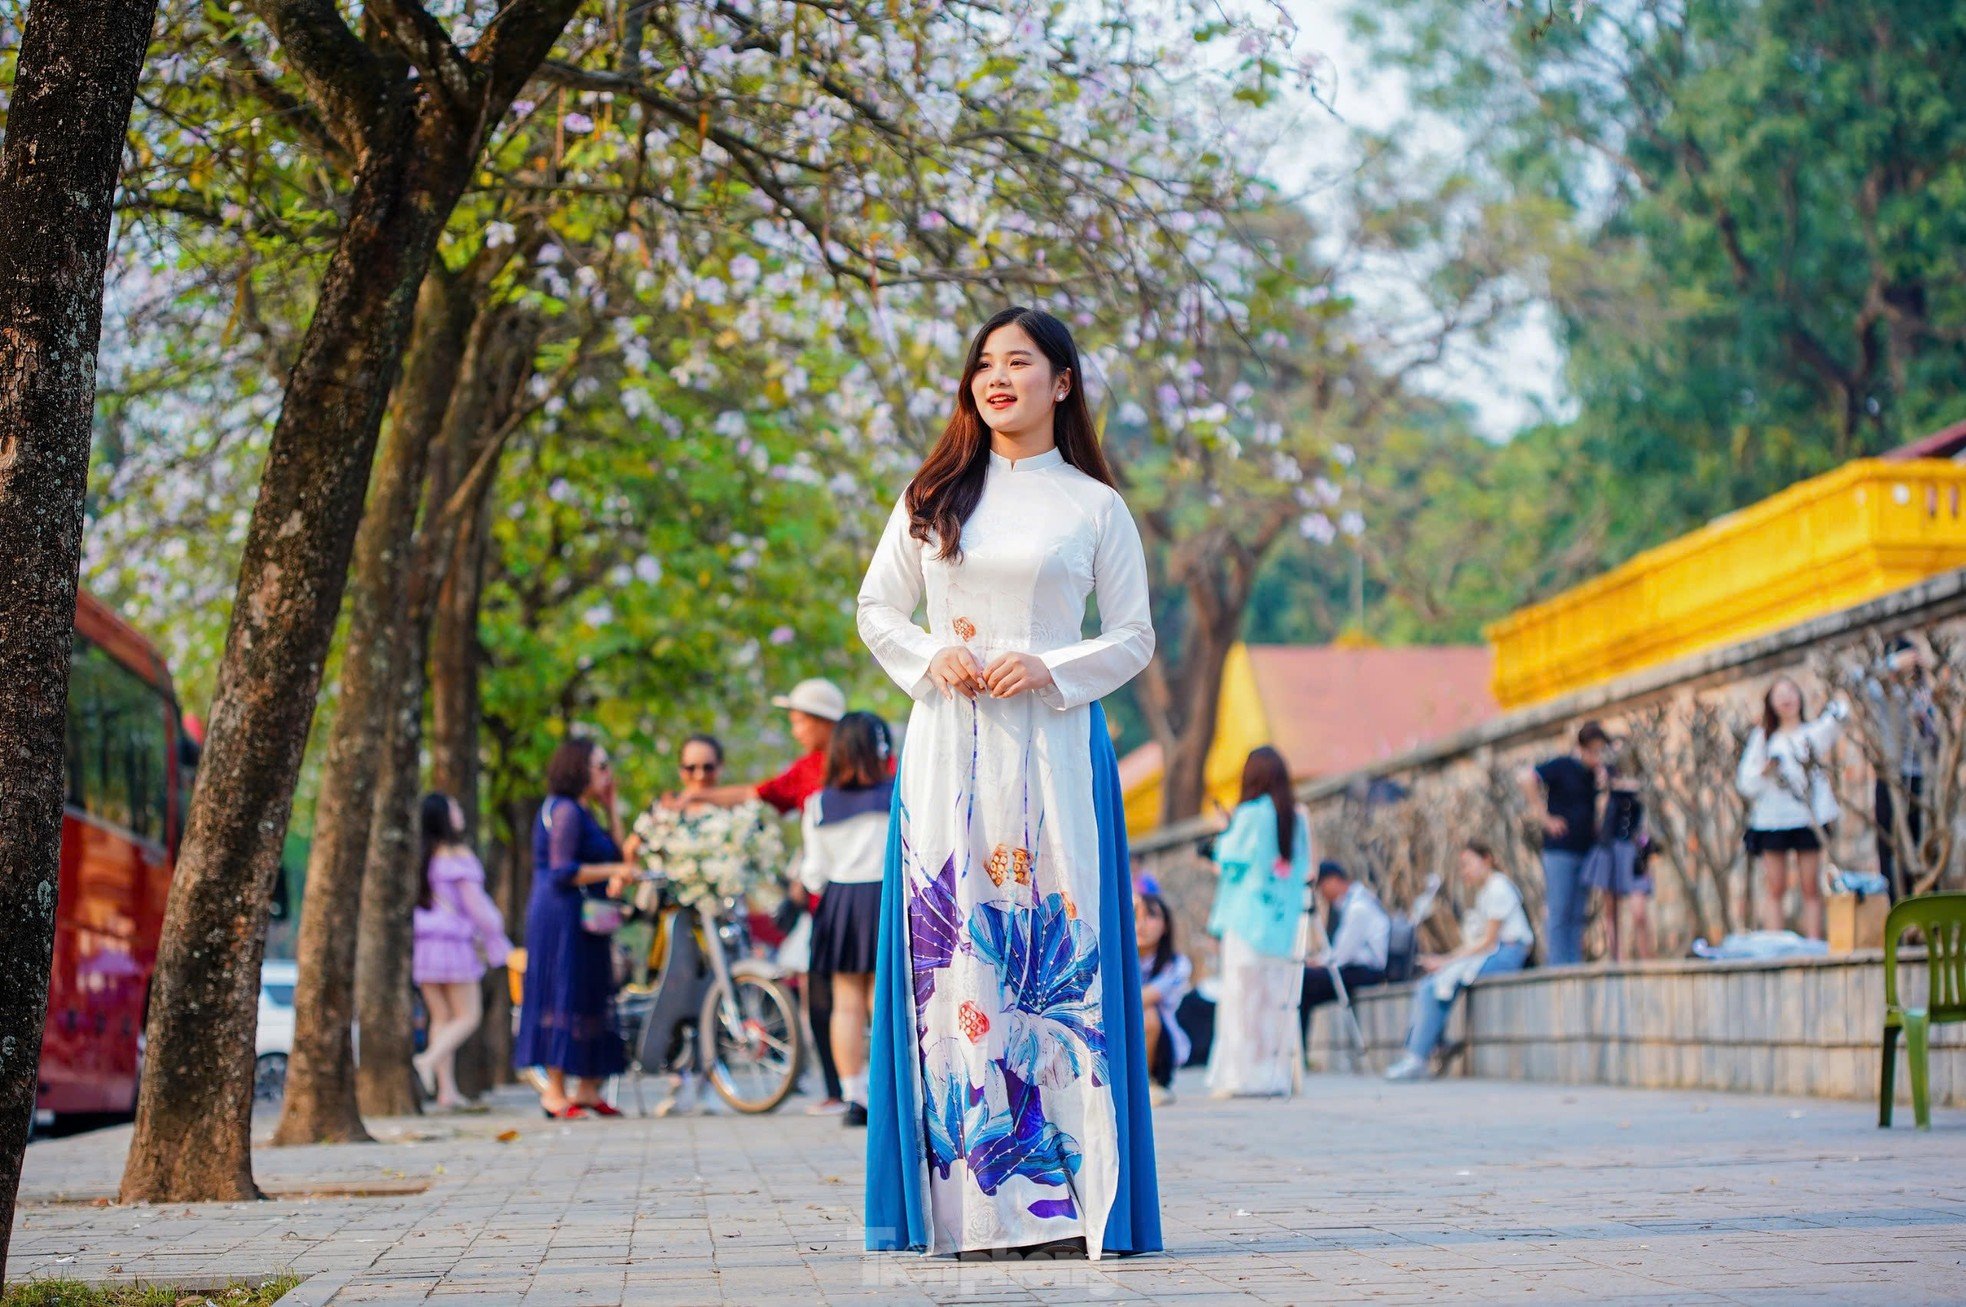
x,y
958,671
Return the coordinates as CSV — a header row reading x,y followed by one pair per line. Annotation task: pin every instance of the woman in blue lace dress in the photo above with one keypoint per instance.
x,y
566,1016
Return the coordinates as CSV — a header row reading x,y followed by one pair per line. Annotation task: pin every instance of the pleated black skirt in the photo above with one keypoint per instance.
x,y
846,929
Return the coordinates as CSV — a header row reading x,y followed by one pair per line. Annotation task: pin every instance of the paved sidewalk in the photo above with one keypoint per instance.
x,y
1357,1191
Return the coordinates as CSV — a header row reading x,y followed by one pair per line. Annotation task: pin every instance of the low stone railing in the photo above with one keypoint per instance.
x,y
1802,1027
1463,786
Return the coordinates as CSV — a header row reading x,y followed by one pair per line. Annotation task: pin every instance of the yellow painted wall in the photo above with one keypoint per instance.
x,y
1836,540
1241,724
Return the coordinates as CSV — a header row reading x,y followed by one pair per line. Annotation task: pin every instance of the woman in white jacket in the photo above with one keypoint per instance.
x,y
1785,776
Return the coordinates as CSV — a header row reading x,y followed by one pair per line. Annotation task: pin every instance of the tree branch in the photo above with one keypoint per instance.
x,y
261,84
415,32
341,74
514,45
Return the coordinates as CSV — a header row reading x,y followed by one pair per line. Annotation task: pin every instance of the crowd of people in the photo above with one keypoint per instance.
x,y
841,789
1293,936
989,990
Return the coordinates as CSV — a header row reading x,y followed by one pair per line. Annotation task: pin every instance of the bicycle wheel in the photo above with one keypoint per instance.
x,y
751,1044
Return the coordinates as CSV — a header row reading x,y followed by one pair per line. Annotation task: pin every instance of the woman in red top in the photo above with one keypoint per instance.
x,y
813,708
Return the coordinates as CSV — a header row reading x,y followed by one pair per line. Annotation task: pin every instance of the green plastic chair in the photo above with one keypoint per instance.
x,y
1942,917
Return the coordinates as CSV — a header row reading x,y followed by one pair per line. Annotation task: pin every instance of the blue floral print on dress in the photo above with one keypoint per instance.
x,y
999,1131
1046,961
934,929
1018,1140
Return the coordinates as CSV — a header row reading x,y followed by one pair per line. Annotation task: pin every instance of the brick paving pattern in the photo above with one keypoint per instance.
x,y
1357,1191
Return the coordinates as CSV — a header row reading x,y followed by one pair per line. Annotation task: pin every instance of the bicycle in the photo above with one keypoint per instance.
x,y
718,1011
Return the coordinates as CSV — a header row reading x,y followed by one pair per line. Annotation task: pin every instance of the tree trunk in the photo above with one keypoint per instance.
x,y
391,879
321,1104
455,769
1184,753
390,887
455,656
74,81
193,1122
502,364
503,349
484,392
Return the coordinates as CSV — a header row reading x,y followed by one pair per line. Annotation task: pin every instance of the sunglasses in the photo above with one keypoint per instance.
x,y
701,768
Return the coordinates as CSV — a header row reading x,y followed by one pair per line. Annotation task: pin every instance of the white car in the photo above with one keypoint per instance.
x,y
275,1037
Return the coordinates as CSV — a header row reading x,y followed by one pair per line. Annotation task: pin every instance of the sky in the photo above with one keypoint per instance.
x,y
1509,386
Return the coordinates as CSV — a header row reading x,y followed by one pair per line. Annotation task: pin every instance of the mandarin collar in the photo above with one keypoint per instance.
x,y
1037,462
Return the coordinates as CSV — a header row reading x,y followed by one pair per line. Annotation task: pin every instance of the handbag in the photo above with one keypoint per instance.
x,y
600,916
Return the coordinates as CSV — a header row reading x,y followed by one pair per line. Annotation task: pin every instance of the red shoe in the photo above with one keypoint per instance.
x,y
602,1109
571,1112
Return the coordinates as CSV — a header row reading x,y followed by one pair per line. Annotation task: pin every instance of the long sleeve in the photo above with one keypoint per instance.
x,y
562,841
469,897
1241,844
1094,668
889,596
1822,734
1749,779
815,870
1364,931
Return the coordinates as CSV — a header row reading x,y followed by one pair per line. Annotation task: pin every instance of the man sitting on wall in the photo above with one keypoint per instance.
x,y
1359,930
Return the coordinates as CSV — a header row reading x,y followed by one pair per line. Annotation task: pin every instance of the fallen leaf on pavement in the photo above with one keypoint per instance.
x,y
507,1136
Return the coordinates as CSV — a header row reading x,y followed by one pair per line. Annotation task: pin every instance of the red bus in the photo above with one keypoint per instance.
x,y
128,768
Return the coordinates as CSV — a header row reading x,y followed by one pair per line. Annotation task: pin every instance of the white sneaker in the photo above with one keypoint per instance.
x,y
1408,1067
827,1107
681,1100
1159,1095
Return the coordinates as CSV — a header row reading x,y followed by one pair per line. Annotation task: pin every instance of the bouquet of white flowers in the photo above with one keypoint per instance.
x,y
714,853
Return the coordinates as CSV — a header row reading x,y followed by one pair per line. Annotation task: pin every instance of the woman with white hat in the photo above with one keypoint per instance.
x,y
812,709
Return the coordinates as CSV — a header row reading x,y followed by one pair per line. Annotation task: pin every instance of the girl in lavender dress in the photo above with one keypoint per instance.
x,y
458,933
1007,1105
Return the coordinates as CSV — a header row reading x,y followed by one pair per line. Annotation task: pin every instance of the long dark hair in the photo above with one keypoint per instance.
x,y
1267,773
857,757
946,489
1771,721
439,826
1164,951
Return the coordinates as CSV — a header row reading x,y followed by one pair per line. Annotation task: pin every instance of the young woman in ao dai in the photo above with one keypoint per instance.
x,y
1019,1074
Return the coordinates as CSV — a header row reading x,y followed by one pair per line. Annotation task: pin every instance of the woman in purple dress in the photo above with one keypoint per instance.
x,y
458,933
566,1018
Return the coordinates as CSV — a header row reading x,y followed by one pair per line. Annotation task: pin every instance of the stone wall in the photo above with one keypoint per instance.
x,y
1681,714
1804,1028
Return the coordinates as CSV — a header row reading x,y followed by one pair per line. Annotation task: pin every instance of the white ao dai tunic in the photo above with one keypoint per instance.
x,y
1014,1064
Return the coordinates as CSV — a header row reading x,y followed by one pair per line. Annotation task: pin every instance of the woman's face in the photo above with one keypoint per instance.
x,y
1474,868
1014,386
1147,925
1786,700
700,767
457,819
600,772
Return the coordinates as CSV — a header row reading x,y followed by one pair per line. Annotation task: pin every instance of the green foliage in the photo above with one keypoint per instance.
x,y
1457,533
1758,273
750,238
664,575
